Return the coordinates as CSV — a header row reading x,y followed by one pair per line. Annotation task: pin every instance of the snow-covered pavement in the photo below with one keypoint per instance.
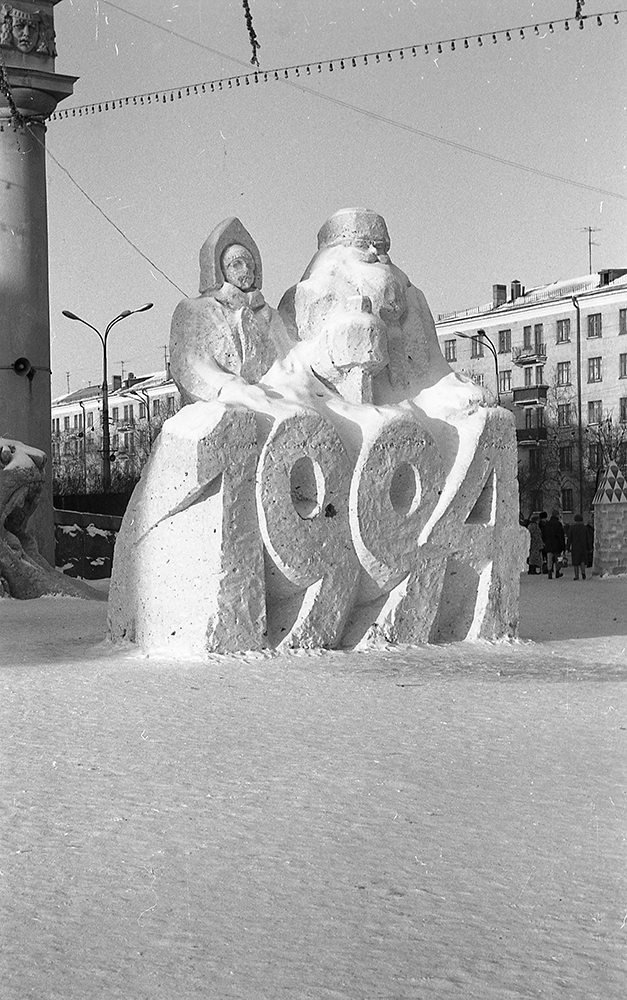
x,y
435,822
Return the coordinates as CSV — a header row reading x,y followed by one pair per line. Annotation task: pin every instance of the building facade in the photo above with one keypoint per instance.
x,y
137,409
556,356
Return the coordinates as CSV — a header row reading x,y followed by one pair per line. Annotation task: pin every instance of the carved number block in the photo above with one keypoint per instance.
x,y
303,481
188,568
454,589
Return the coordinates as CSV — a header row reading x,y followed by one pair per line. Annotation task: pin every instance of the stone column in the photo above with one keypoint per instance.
x,y
29,92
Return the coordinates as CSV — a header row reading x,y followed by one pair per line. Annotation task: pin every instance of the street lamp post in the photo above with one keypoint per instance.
x,y
106,447
579,404
84,456
481,337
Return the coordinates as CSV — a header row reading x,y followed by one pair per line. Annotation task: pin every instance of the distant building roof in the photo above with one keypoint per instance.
x,y
561,288
90,392
151,381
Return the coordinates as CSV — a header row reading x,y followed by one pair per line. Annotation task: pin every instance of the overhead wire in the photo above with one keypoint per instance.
x,y
102,212
282,75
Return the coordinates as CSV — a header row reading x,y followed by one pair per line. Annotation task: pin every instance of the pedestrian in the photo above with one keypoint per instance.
x,y
542,523
535,546
579,547
554,543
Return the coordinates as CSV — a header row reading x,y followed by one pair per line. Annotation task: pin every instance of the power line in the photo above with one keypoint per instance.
x,y
283,75
470,149
103,213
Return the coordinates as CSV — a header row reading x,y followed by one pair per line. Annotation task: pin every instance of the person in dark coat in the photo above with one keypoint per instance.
x,y
554,543
579,547
535,546
542,523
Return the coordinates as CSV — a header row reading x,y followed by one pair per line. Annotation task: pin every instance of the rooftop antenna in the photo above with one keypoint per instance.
x,y
591,243
121,363
67,376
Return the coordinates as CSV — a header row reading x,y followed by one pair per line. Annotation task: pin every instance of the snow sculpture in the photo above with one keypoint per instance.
x,y
24,573
332,482
228,336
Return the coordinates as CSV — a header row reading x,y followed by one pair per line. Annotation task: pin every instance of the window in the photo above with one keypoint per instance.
x,y
622,365
526,336
170,403
77,421
537,500
56,425
142,411
128,440
505,381
595,456
90,420
478,379
539,374
535,460
529,421
622,322
594,370
538,335
528,376
594,325
540,416
477,349
115,414
505,341
128,413
622,454
566,458
563,373
66,423
595,414
156,407
450,350
567,500
563,331
622,409
563,415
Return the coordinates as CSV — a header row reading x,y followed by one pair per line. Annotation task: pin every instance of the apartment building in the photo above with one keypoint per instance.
x,y
556,355
137,408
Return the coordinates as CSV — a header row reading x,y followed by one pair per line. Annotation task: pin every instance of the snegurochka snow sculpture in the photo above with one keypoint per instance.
x,y
332,482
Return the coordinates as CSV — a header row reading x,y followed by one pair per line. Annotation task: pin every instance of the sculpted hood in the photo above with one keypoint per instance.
x,y
225,234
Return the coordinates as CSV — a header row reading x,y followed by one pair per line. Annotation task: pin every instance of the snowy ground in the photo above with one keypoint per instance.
x,y
435,822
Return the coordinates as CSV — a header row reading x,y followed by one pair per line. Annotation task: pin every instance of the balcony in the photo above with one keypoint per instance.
x,y
534,354
530,395
530,437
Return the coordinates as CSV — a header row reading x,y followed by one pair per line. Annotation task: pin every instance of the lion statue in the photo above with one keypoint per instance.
x,y
24,573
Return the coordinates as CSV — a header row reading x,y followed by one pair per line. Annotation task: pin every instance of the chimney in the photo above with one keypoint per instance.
x,y
516,290
499,295
130,379
117,382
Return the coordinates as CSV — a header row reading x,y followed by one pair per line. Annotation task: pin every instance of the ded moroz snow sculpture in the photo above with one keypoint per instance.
x,y
332,483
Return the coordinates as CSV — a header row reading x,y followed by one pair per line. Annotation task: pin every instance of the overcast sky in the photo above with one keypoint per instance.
x,y
284,156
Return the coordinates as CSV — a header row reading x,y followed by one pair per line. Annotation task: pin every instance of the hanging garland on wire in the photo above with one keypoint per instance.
x,y
332,65
252,34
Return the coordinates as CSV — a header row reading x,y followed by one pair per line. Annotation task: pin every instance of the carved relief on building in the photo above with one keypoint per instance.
x,y
29,31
